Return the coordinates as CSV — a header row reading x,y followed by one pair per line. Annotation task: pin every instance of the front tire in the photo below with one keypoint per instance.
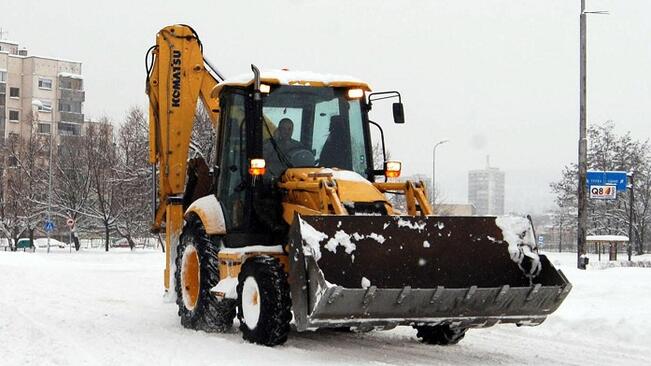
x,y
442,334
197,271
263,301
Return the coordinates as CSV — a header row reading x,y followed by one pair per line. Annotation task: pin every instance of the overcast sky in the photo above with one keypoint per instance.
x,y
494,77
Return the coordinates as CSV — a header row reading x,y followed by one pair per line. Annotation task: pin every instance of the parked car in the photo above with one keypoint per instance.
x,y
42,243
120,243
24,245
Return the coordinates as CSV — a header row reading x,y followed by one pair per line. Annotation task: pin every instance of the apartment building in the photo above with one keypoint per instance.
x,y
486,190
49,89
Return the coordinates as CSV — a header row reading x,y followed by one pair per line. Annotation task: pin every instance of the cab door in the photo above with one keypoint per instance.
x,y
232,181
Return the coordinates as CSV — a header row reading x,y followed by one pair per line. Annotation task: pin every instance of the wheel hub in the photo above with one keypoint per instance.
x,y
190,277
251,302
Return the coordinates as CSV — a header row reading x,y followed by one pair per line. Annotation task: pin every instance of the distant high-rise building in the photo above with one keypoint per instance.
x,y
486,190
50,87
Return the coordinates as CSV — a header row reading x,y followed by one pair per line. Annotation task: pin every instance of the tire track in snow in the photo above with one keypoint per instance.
x,y
55,339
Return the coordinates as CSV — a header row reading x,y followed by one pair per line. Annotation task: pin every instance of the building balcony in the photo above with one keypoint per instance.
x,y
69,129
68,82
72,117
71,95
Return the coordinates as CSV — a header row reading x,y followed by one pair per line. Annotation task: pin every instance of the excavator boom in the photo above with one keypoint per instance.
x,y
177,76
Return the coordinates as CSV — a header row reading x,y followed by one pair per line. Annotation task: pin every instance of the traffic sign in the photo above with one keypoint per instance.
x,y
70,223
603,192
49,226
541,240
608,178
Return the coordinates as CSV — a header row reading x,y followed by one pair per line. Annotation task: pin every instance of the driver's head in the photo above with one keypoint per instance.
x,y
285,129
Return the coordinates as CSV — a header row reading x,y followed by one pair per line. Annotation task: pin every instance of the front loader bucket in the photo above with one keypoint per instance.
x,y
382,271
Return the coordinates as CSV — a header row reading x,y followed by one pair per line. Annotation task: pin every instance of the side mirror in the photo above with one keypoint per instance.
x,y
398,113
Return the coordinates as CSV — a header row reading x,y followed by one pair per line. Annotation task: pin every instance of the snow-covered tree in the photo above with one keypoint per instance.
x,y
203,136
100,150
26,178
72,183
134,174
608,151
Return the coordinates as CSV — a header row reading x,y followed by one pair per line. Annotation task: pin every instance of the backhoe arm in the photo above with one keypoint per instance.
x,y
176,77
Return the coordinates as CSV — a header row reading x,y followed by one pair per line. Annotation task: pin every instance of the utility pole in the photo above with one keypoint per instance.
x,y
583,145
583,141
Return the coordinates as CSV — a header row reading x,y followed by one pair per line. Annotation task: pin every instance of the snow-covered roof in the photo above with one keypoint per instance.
x,y
286,77
69,75
607,238
46,58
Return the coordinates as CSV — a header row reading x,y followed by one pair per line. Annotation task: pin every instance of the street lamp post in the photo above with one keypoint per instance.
x,y
434,169
36,104
49,191
583,142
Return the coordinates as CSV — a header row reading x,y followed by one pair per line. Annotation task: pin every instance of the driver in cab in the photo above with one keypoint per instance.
x,y
283,136
277,151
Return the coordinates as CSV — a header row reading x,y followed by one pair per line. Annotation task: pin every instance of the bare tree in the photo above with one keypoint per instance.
x,y
72,183
105,182
134,175
26,181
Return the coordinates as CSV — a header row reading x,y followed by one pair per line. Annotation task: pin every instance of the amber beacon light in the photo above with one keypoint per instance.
x,y
257,167
392,169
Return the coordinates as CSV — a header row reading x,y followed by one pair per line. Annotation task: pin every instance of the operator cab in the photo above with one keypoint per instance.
x,y
313,126
306,123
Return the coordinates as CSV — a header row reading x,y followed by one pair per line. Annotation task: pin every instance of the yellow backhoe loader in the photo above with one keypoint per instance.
x,y
292,221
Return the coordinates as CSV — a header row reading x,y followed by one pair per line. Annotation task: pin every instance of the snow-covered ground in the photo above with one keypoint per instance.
x,y
96,308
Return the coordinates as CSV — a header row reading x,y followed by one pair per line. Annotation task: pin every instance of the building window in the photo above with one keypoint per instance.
x,y
14,92
44,128
14,116
3,76
69,129
45,106
45,83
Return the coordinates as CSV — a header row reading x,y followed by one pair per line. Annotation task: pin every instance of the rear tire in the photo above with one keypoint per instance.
x,y
197,271
442,334
264,304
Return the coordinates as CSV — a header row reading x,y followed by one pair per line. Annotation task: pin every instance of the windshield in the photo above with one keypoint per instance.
x,y
313,126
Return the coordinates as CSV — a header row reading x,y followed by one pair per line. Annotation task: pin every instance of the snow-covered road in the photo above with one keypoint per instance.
x,y
94,308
